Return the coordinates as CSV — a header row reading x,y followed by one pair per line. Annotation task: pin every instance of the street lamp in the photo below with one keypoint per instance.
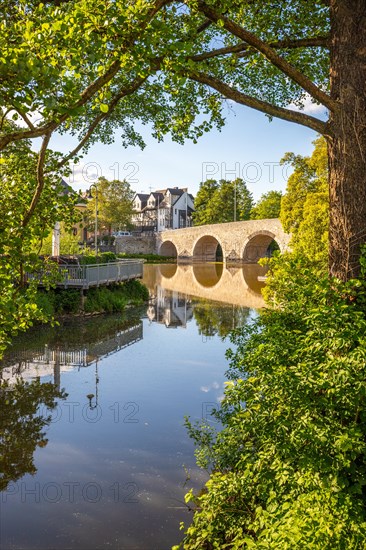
x,y
90,396
235,201
96,216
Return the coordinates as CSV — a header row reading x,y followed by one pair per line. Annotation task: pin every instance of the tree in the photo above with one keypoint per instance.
x,y
202,200
268,206
23,426
232,201
114,204
69,243
287,459
277,54
26,219
63,70
305,205
222,202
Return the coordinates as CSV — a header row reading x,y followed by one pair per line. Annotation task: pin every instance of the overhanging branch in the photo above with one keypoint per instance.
x,y
102,116
270,54
263,106
243,48
40,180
88,92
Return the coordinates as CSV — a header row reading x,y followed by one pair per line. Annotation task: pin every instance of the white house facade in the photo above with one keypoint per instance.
x,y
170,208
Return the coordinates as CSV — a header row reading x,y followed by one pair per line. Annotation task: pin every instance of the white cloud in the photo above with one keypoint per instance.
x,y
310,108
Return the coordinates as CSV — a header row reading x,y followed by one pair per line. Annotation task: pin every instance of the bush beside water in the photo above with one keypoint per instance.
x,y
106,257
113,298
288,468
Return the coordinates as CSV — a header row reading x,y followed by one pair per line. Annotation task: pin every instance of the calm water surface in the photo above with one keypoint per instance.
x,y
110,466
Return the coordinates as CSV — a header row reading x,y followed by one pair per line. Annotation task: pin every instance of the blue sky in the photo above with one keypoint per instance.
x,y
249,146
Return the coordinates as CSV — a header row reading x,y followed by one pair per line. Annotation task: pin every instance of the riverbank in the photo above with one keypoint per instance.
x,y
150,258
288,466
106,257
111,299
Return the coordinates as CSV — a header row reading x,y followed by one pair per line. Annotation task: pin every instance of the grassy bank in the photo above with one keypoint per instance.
x,y
288,467
113,298
150,258
106,257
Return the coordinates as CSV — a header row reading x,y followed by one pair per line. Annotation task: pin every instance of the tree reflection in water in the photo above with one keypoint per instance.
x,y
22,425
216,318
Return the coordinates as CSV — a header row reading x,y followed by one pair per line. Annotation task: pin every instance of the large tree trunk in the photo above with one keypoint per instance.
x,y
347,146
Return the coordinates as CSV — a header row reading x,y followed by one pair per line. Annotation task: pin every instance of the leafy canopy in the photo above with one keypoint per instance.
x,y
268,206
115,207
22,234
305,205
223,201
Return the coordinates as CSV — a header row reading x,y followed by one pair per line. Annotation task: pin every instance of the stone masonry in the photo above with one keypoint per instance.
x,y
244,241
136,245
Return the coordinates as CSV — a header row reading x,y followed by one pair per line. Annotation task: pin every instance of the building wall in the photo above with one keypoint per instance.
x,y
136,245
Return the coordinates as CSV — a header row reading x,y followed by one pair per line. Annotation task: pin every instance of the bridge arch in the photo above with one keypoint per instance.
x,y
168,249
168,270
206,249
207,275
259,245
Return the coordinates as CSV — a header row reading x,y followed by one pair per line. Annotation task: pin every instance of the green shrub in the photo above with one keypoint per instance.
x,y
45,301
289,464
150,258
102,258
116,297
67,301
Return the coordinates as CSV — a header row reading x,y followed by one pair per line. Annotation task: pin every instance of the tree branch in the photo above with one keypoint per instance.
x,y
263,106
3,117
88,93
243,48
102,116
26,119
270,54
40,180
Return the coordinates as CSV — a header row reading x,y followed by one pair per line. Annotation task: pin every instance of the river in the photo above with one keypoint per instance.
x,y
109,465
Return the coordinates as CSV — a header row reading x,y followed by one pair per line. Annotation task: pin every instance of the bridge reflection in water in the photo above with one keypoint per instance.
x,y
212,281
179,292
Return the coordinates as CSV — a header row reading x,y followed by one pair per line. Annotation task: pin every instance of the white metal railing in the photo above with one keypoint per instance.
x,y
84,276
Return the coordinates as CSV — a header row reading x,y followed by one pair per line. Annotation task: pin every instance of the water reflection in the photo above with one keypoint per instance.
x,y
22,426
211,281
130,382
207,275
172,309
229,284
179,294
215,318
75,343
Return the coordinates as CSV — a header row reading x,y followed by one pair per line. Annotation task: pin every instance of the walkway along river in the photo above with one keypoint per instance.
x,y
108,466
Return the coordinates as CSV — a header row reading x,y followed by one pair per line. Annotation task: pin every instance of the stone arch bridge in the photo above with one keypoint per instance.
x,y
244,241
